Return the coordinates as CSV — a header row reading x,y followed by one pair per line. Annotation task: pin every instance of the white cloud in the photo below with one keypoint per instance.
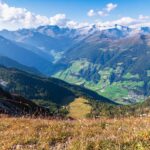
x,y
14,18
110,7
91,13
142,17
58,19
104,12
71,24
126,21
76,25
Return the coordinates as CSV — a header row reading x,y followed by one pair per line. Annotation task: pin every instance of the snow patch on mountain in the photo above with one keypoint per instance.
x,y
3,83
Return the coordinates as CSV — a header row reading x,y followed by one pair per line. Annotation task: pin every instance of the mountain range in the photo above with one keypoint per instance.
x,y
113,62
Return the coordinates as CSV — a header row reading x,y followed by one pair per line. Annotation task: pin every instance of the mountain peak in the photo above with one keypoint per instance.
x,y
120,27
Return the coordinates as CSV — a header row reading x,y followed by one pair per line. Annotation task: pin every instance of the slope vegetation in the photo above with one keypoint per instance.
x,y
13,105
41,88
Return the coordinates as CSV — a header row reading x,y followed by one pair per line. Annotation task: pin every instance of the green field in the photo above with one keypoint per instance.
x,y
119,91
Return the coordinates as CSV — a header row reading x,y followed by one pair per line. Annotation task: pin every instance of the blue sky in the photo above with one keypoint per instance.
x,y
77,10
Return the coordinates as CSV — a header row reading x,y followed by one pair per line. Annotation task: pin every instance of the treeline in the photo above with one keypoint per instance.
x,y
110,110
100,109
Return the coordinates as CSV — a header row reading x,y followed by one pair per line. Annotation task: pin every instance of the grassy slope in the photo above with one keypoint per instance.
x,y
104,134
79,108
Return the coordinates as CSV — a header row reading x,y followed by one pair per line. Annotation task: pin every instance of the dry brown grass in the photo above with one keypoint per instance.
x,y
103,134
79,108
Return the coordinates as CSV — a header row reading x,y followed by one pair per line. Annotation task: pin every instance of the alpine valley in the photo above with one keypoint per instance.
x,y
113,62
74,75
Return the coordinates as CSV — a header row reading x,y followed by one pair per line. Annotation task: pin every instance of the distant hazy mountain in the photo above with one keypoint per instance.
x,y
23,56
48,39
7,62
112,61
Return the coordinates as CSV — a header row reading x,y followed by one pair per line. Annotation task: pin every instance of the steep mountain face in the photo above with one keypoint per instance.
x,y
7,62
23,56
48,40
113,62
40,88
18,106
50,35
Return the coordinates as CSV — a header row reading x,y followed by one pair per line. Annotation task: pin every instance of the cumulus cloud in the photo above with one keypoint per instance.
x,y
104,12
14,17
58,19
142,17
91,13
127,21
110,7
